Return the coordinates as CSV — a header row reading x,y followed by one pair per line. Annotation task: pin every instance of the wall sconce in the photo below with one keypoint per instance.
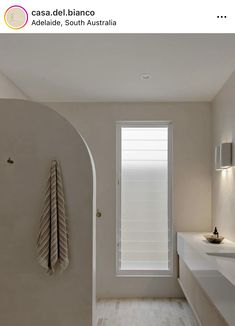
x,y
217,158
223,156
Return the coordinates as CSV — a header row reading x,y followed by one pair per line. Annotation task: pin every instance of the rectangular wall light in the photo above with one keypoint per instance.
x,y
226,155
217,158
223,156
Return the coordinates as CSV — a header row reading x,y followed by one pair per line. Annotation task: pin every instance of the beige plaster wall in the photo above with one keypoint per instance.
x,y
224,181
32,135
191,180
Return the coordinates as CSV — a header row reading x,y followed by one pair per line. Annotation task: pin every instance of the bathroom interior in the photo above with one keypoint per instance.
x,y
143,128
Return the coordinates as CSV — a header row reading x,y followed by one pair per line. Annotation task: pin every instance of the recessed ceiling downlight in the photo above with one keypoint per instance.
x,y
145,76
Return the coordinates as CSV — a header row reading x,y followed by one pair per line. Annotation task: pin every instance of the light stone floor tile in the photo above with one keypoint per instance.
x,y
145,312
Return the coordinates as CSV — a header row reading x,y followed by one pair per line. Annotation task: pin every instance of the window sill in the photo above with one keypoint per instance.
x,y
167,273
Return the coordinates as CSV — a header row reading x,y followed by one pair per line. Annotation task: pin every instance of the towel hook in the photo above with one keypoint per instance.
x,y
10,161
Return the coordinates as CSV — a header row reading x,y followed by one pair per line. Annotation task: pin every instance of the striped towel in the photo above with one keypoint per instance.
x,y
52,244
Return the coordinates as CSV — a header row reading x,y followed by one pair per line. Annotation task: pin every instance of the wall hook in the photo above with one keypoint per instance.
x,y
10,161
98,213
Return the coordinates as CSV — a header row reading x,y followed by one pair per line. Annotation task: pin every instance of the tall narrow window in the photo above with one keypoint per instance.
x,y
143,198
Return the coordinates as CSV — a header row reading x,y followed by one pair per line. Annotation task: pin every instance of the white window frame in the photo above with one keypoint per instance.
x,y
142,124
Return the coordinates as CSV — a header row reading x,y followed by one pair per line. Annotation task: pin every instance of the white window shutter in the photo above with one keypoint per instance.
x,y
143,190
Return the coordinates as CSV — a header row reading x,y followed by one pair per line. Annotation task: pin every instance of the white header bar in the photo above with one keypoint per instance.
x,y
107,16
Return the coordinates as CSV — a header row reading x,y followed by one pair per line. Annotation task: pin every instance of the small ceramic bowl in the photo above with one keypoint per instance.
x,y
213,238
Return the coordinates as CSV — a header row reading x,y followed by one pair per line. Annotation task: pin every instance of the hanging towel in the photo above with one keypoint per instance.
x,y
52,243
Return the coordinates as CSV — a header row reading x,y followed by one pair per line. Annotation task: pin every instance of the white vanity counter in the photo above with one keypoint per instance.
x,y
215,274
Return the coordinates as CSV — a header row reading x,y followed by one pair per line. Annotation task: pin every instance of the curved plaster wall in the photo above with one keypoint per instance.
x,y
32,134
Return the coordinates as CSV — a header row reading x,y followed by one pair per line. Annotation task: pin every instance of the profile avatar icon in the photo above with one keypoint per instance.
x,y
16,17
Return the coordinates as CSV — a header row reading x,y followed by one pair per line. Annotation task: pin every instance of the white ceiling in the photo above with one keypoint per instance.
x,y
103,67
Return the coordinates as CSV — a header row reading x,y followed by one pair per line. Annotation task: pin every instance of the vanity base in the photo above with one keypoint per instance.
x,y
204,310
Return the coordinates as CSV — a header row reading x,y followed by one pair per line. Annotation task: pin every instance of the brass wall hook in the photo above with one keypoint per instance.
x,y
98,213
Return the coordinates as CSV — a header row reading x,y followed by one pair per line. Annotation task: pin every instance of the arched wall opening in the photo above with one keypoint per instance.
x,y
32,135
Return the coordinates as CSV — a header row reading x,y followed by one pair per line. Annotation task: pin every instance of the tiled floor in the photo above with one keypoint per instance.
x,y
145,312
